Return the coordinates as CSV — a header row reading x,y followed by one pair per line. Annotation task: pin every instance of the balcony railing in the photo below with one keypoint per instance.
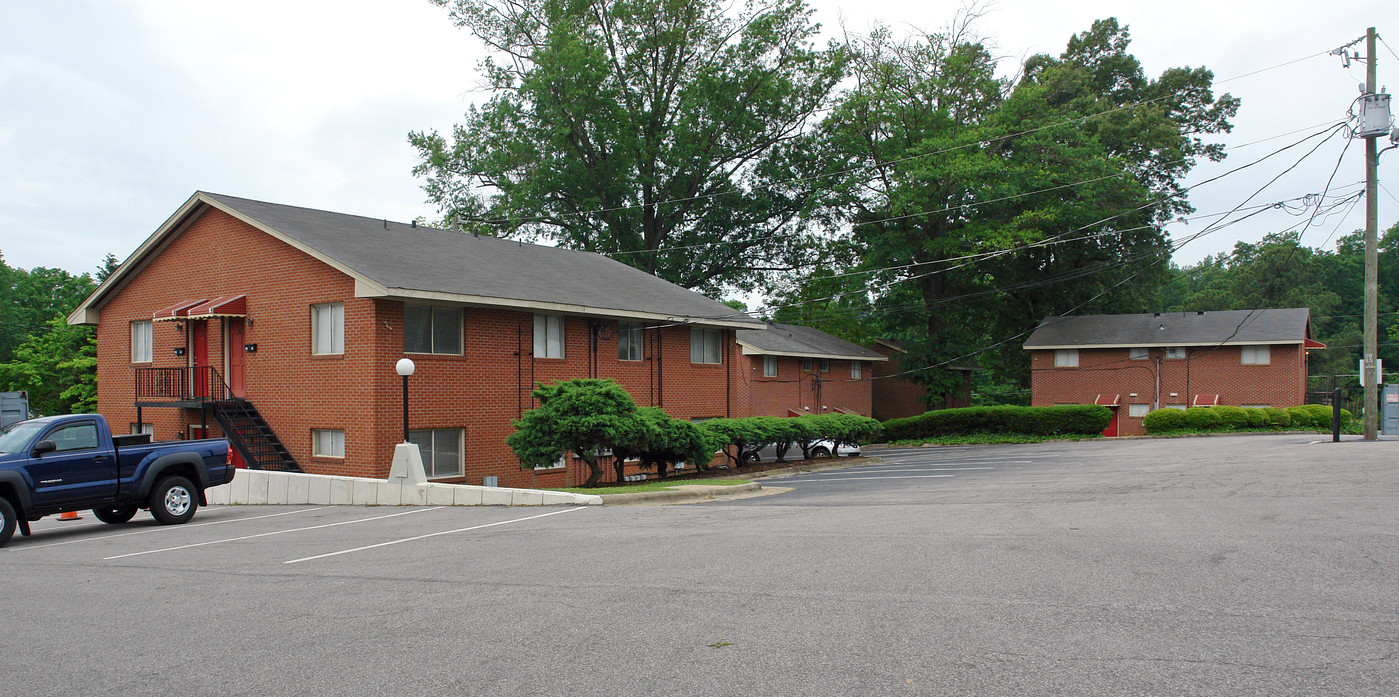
x,y
194,384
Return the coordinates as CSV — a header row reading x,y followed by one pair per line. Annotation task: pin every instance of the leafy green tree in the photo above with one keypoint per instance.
x,y
57,366
583,416
648,129
1075,167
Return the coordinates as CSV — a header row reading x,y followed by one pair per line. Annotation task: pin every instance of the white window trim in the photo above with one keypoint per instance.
x,y
636,341
1137,411
142,340
336,322
432,330
770,367
430,455
337,443
704,339
857,370
543,336
1255,355
1065,358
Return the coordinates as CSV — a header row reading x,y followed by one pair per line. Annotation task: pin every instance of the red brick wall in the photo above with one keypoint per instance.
x,y
807,391
1204,370
895,397
359,392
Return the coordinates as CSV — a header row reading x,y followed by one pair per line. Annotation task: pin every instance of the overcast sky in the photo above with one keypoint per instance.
x,y
113,112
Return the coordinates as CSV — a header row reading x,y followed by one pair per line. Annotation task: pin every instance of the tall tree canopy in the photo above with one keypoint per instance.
x,y
979,205
647,129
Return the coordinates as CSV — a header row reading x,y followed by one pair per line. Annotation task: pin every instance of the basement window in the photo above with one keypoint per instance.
x,y
441,449
327,442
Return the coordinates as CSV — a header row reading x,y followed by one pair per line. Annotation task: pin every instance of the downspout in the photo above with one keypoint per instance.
x,y
1156,403
660,370
728,376
519,371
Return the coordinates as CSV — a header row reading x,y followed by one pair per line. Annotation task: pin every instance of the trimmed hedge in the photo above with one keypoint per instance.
x,y
1080,419
751,433
1227,418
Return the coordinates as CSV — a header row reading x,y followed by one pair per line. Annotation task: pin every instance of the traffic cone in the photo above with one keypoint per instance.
x,y
69,515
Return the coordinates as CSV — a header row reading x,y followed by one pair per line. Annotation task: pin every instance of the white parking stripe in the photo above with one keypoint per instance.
x,y
881,470
165,528
899,476
267,534
431,534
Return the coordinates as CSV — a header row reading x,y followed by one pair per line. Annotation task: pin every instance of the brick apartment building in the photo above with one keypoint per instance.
x,y
895,396
1136,363
284,324
794,370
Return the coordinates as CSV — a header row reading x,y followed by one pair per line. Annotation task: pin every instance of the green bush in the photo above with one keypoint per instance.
x,y
751,433
1235,418
1084,419
1257,418
1313,415
1278,418
1164,420
1204,419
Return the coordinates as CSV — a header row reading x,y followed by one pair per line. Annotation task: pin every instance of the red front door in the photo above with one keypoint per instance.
x,y
235,355
199,357
1111,430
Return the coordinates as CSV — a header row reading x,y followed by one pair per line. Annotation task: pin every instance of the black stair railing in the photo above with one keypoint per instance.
x,y
244,427
191,384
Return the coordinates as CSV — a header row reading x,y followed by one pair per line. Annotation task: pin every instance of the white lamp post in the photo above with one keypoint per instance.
x,y
405,368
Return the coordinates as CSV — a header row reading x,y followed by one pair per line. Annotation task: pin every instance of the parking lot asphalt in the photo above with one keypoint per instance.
x,y
1257,565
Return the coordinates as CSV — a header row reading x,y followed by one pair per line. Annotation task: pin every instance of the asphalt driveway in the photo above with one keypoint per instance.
x,y
1231,566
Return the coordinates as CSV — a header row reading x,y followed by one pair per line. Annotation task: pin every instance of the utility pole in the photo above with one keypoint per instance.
x,y
1371,256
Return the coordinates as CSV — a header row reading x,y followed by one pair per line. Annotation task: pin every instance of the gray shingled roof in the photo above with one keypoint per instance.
x,y
412,261
1226,327
796,340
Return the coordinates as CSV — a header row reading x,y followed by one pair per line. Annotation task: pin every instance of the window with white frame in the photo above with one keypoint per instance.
x,y
806,364
704,345
441,449
327,442
1138,410
548,336
857,370
629,341
1173,406
825,365
769,366
141,341
1173,352
431,329
1137,353
1065,358
328,328
1254,355
142,429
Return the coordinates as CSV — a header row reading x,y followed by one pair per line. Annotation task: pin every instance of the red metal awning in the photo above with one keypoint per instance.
x,y
1206,400
177,311
1312,344
222,306
1108,400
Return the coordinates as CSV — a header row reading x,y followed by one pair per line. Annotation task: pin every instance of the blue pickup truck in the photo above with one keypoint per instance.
x,y
58,464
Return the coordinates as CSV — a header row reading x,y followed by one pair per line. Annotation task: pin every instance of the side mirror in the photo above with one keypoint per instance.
x,y
43,446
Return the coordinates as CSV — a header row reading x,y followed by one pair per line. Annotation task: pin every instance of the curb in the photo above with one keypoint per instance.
x,y
682,493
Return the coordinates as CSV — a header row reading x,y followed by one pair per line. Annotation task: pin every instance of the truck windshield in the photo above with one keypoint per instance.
x,y
16,436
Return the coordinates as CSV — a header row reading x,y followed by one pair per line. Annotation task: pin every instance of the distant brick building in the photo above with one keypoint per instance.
x,y
1136,363
793,370
280,327
895,396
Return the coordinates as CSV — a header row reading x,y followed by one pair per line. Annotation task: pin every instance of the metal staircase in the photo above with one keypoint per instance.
x,y
250,435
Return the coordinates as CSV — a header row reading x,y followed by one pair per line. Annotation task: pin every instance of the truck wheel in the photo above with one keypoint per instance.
x,y
114,515
7,521
173,501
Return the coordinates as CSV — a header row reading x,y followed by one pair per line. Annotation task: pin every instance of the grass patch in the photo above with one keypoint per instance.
x,y
650,486
988,439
